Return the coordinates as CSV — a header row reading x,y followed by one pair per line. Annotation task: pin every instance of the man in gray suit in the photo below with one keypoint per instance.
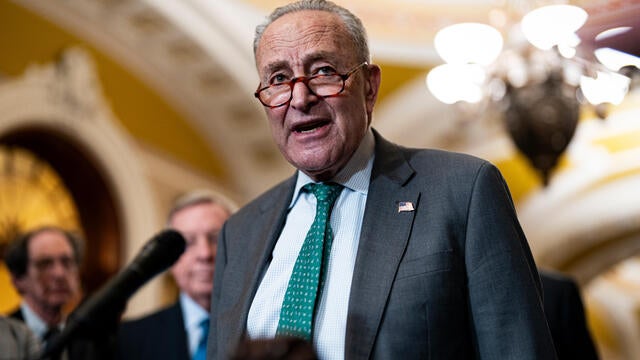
x,y
423,256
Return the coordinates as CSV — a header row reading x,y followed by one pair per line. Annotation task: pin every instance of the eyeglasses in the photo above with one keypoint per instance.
x,y
323,85
47,263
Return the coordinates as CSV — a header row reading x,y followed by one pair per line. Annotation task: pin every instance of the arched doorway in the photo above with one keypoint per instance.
x,y
92,198
57,113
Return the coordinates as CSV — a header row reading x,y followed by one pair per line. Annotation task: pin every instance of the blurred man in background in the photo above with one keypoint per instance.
x,y
180,330
44,267
565,315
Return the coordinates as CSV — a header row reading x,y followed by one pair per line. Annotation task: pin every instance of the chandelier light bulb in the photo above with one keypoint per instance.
x,y
468,43
451,83
609,33
567,52
605,88
553,25
615,60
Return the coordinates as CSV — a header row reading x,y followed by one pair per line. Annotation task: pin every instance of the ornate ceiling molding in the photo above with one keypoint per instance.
x,y
191,60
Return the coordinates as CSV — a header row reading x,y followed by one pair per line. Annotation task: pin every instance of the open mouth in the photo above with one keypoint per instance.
x,y
309,127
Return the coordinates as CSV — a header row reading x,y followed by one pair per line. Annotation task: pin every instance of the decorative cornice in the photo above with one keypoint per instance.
x,y
209,82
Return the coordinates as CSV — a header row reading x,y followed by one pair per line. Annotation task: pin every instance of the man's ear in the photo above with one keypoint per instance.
x,y
372,85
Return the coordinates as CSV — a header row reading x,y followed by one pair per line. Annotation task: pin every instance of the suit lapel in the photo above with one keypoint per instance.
x,y
17,315
273,213
383,240
179,342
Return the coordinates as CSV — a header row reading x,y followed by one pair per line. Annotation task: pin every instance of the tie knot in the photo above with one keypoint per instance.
x,y
325,192
50,333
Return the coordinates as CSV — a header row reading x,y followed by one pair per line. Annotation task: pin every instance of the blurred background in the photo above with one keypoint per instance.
x,y
109,109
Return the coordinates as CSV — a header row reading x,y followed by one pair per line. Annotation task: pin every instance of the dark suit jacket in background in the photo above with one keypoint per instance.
x,y
95,341
159,336
454,279
565,315
17,314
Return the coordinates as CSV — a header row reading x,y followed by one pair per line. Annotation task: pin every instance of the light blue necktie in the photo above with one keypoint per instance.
x,y
307,278
201,350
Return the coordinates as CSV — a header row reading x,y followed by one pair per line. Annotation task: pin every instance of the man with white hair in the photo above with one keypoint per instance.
x,y
179,332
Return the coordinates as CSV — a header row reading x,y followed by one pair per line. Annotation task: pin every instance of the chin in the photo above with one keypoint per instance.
x,y
204,287
313,166
311,160
201,294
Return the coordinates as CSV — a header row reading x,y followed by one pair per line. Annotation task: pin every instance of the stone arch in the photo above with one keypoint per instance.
x,y
91,194
593,227
58,112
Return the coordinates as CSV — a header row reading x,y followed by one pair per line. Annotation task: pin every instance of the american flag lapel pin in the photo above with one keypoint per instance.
x,y
405,206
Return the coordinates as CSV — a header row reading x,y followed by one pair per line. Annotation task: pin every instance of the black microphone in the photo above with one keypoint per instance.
x,y
157,255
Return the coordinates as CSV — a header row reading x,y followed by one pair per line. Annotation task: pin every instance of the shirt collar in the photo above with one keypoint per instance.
x,y
193,313
33,321
354,176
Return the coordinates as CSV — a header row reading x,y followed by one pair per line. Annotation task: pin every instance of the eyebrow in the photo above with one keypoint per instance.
x,y
308,59
273,67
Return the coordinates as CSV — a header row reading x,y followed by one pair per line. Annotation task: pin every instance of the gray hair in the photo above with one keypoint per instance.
x,y
352,23
200,196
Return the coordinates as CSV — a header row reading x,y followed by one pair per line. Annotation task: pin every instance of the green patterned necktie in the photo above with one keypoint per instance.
x,y
307,278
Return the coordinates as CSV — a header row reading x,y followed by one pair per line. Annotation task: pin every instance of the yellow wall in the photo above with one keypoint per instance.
x,y
26,38
9,298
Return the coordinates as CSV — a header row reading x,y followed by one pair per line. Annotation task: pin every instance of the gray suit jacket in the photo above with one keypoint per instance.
x,y
454,279
16,340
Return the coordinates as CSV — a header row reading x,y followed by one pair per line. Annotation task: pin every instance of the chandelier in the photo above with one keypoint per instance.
x,y
538,81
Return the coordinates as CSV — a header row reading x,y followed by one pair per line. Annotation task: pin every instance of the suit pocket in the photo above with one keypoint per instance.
x,y
436,262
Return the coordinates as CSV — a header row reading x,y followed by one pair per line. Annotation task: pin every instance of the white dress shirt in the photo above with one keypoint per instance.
x,y
346,222
192,314
33,321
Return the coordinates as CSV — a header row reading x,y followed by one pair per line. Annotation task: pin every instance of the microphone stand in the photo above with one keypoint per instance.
x,y
93,338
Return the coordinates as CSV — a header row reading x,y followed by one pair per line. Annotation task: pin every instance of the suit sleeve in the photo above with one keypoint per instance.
x,y
504,288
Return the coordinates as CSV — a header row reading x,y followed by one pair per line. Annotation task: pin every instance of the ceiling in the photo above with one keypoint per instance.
x,y
196,54
609,15
403,30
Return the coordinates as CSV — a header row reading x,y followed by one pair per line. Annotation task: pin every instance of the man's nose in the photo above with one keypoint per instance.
x,y
302,96
58,268
204,248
